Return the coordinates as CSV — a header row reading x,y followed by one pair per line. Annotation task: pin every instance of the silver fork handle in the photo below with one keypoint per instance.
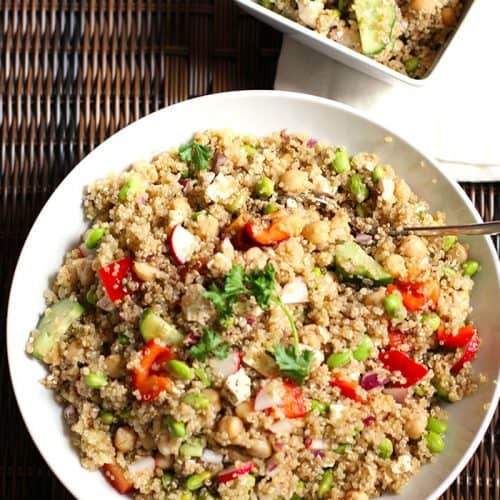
x,y
491,228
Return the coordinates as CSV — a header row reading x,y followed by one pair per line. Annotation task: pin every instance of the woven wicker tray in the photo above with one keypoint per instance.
x,y
72,73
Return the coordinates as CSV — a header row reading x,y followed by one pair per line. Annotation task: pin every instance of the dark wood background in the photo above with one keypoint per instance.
x,y
74,72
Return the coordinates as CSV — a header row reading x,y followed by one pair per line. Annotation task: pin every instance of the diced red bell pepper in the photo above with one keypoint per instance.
x,y
394,360
231,474
417,295
292,402
463,336
468,355
147,378
116,477
266,231
113,275
396,338
349,389
237,234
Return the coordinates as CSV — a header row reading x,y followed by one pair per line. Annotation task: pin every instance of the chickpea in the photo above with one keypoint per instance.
x,y
317,233
213,398
375,298
294,181
259,448
413,247
458,253
449,17
395,266
125,439
233,427
167,444
312,336
144,271
426,6
244,410
402,191
114,365
415,426
164,462
208,227
357,495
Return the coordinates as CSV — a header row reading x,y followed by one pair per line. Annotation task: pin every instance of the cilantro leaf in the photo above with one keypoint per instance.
x,y
293,365
210,344
196,154
224,298
262,285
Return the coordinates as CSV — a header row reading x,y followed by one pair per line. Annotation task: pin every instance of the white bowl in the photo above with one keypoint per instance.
x,y
61,223
344,54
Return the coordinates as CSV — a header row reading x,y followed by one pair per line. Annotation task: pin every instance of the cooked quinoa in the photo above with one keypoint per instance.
x,y
221,332
408,41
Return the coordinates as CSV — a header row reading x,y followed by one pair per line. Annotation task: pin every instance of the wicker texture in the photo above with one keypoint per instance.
x,y
71,74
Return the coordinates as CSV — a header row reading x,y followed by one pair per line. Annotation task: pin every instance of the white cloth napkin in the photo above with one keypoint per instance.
x,y
455,117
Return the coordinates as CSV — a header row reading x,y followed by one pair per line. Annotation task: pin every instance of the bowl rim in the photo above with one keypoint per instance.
x,y
380,68
223,97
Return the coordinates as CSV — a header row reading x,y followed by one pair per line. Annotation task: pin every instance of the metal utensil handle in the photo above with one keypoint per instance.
x,y
492,227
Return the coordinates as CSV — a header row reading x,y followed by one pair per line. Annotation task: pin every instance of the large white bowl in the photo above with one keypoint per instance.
x,y
344,54
60,225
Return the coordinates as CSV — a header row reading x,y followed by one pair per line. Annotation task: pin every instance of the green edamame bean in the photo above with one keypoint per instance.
x,y
338,359
249,150
325,483
196,400
107,418
271,208
91,297
392,304
385,448
471,267
364,349
411,64
176,427
264,188
193,448
449,241
437,425
435,443
378,173
341,448
196,481
341,161
94,237
238,203
132,186
123,339
319,406
432,320
358,188
95,380
203,376
180,369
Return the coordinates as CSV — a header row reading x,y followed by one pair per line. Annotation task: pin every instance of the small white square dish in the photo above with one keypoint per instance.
x,y
348,56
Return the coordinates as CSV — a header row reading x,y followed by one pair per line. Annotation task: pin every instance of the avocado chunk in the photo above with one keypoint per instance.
x,y
54,323
353,263
376,20
153,326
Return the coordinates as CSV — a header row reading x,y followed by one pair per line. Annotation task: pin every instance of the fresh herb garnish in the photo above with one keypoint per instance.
x,y
196,154
210,344
224,298
293,363
293,366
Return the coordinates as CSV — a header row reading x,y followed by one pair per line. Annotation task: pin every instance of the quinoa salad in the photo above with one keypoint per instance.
x,y
404,35
240,322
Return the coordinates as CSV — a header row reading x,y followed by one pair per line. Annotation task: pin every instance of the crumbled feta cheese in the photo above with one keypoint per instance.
x,y
387,189
237,387
219,264
402,465
336,410
319,357
222,188
291,203
309,11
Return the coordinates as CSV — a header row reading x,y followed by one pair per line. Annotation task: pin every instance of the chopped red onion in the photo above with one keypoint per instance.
x,y
398,393
144,464
251,321
183,182
317,444
372,380
369,420
69,412
84,251
318,453
281,427
220,159
192,339
364,239
266,398
284,136
311,142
